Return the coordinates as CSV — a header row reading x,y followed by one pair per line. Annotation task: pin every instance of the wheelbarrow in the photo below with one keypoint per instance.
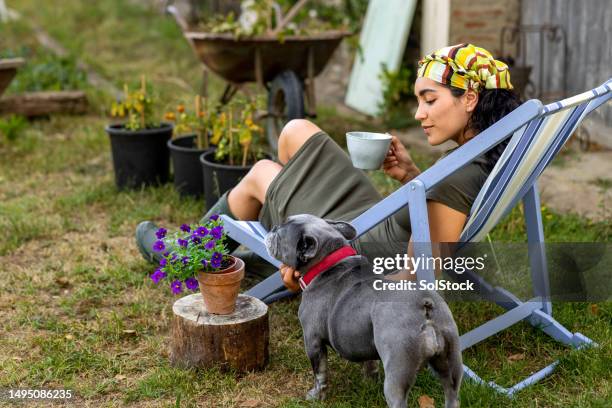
x,y
286,69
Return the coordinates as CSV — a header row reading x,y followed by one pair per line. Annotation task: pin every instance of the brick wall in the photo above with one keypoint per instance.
x,y
480,22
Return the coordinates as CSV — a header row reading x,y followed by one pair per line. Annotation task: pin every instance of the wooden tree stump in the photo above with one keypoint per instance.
x,y
238,341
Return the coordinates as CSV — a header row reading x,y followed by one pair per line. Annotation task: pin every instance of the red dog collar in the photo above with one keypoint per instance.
x,y
326,263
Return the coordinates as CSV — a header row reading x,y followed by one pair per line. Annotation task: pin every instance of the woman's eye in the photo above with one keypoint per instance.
x,y
430,102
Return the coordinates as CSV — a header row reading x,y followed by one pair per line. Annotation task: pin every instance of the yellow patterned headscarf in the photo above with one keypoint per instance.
x,y
465,66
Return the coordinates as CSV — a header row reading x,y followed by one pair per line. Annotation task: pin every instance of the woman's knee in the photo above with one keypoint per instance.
x,y
294,134
260,176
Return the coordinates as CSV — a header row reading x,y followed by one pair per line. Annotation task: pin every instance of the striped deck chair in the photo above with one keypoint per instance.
x,y
537,134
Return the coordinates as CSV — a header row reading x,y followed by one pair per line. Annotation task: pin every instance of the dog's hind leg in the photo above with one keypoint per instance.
x,y
317,353
449,367
400,373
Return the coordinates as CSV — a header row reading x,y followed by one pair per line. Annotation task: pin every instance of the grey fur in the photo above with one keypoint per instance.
x,y
405,330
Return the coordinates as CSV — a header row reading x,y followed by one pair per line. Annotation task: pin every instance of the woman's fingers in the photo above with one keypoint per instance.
x,y
395,142
290,277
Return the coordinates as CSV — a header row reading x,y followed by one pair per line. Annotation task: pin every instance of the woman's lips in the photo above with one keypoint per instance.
x,y
426,129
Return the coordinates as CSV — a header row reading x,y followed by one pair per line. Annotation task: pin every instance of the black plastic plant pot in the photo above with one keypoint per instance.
x,y
188,176
140,157
219,177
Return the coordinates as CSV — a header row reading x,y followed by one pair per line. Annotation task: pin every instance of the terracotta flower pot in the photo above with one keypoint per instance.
x,y
220,289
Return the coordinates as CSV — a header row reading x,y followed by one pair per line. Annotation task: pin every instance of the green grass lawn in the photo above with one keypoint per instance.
x,y
78,311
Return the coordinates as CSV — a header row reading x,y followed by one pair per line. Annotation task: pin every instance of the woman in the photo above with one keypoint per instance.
x,y
461,90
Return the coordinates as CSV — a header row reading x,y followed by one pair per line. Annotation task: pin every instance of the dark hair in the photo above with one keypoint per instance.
x,y
493,104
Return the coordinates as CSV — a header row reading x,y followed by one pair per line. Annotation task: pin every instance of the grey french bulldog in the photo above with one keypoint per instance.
x,y
339,308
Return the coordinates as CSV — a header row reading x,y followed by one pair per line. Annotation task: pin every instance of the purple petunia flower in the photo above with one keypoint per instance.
x,y
196,240
182,242
215,261
204,263
159,246
173,258
163,262
191,283
185,228
160,233
201,231
216,232
157,275
176,287
214,217
210,244
185,260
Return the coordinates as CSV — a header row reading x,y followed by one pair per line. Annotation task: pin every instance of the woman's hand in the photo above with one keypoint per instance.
x,y
290,278
398,163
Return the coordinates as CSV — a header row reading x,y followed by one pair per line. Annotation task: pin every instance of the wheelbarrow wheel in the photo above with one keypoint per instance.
x,y
285,102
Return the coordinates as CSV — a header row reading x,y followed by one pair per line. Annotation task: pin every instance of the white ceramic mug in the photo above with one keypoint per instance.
x,y
367,149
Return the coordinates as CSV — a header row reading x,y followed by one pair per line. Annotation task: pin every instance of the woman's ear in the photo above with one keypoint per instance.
x,y
470,98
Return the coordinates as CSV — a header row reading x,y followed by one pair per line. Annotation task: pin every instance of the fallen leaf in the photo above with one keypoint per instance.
x,y
120,377
595,309
129,331
62,281
69,337
516,357
17,358
425,401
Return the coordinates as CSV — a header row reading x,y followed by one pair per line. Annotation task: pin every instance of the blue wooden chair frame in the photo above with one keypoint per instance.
x,y
537,134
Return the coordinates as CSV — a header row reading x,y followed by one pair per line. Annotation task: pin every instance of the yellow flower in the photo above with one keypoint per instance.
x,y
170,116
245,137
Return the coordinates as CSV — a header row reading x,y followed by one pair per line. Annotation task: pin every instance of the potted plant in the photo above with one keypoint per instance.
x,y
197,256
138,145
239,145
189,141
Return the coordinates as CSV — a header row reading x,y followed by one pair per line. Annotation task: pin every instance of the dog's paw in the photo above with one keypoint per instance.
x,y
315,394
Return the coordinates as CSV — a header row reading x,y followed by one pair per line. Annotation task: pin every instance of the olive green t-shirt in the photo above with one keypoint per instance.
x,y
459,190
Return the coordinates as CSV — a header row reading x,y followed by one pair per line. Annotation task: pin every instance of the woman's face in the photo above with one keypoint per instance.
x,y
443,116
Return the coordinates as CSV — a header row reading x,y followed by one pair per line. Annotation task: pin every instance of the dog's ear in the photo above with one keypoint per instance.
x,y
344,228
308,246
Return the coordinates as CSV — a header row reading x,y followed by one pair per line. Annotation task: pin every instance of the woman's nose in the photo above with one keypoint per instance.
x,y
420,113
